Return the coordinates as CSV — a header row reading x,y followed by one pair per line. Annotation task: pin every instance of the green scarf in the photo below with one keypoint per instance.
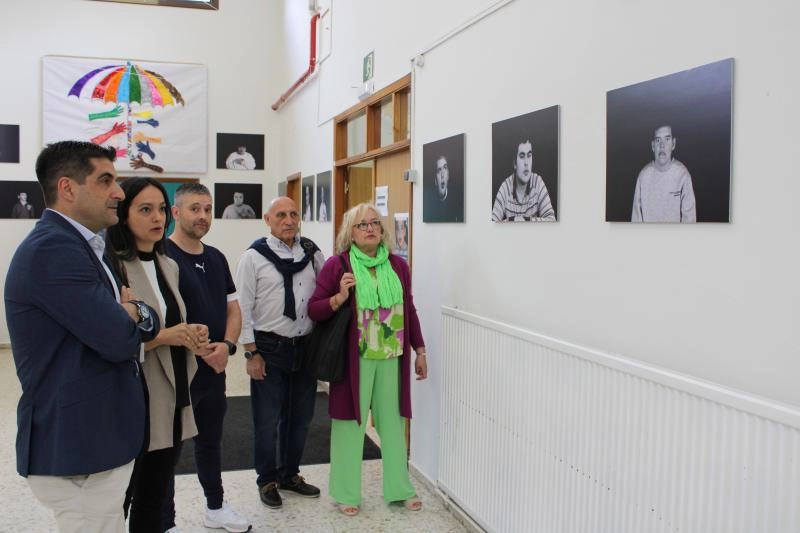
x,y
388,290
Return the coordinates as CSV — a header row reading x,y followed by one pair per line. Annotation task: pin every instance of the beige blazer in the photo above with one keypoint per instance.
x,y
158,371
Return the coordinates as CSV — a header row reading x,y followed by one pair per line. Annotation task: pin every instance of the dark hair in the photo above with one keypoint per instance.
x,y
663,124
191,187
520,143
67,158
119,236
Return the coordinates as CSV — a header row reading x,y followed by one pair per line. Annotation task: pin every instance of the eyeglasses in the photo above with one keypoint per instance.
x,y
363,226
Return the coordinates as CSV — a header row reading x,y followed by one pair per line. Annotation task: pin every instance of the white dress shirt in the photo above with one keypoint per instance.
x,y
261,293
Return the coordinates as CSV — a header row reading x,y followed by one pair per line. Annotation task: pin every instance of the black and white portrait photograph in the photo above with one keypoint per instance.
x,y
401,235
668,151
443,180
9,143
240,151
307,207
21,199
324,196
237,200
525,167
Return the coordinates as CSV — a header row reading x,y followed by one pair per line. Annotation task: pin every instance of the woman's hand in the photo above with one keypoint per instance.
x,y
421,364
348,280
345,283
202,333
183,335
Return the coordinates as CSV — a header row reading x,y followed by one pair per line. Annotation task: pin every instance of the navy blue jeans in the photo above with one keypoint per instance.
x,y
209,404
283,405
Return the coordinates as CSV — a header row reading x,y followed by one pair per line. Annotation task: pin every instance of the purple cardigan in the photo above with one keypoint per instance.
x,y
344,401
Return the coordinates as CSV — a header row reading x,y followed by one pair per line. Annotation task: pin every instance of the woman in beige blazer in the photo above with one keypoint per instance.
x,y
138,254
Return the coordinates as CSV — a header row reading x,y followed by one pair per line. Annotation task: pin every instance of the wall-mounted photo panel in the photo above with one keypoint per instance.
x,y
282,188
21,199
154,114
525,167
237,200
307,199
240,151
401,235
443,180
9,143
668,151
324,212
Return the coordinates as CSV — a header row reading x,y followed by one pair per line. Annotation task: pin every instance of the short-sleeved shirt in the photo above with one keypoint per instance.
x,y
206,286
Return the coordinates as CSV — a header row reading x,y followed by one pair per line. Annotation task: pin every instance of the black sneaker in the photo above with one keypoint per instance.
x,y
299,486
270,496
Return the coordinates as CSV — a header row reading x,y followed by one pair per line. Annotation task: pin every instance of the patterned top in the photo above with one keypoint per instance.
x,y
380,332
533,206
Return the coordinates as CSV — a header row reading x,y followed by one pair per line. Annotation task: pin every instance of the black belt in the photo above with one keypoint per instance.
x,y
280,338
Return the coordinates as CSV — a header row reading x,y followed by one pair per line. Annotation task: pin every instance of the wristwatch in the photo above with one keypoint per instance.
x,y
231,346
249,355
145,322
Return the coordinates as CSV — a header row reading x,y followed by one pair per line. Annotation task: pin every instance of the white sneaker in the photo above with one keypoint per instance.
x,y
173,529
227,519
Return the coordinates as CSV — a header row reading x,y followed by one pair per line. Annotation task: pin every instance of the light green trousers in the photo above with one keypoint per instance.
x,y
379,390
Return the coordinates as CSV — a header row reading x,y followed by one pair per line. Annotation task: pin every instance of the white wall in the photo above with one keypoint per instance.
x,y
714,301
239,44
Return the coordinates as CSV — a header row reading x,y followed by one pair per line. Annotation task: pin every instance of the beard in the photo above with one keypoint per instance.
x,y
196,230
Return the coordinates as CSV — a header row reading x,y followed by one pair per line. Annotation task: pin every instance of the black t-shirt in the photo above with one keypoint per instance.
x,y
205,283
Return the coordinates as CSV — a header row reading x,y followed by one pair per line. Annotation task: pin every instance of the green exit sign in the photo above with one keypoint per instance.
x,y
369,65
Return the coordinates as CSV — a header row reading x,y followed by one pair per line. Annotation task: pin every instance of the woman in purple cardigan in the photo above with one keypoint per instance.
x,y
377,374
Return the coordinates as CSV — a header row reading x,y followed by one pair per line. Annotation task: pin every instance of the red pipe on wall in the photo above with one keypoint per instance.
x,y
312,64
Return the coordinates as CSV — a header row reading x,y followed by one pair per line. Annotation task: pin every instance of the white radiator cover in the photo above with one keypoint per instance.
x,y
539,435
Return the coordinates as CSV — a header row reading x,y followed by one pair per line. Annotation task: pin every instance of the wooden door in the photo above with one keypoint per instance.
x,y
359,184
389,172
293,188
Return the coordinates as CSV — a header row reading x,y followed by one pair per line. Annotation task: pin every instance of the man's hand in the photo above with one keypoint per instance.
x,y
216,356
125,296
256,368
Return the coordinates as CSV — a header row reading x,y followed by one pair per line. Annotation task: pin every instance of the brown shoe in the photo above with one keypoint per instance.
x,y
270,496
299,486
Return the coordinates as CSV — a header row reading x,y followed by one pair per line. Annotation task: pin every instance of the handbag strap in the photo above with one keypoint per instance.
x,y
352,291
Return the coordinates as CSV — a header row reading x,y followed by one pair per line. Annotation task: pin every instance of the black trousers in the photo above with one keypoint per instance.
x,y
210,405
152,474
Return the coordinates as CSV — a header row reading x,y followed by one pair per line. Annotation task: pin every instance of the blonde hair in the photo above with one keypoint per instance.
x,y
344,239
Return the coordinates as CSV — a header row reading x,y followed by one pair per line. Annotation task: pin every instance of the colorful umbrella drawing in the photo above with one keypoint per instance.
x,y
127,84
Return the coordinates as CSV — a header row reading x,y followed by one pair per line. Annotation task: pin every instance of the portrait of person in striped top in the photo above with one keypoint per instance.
x,y
523,195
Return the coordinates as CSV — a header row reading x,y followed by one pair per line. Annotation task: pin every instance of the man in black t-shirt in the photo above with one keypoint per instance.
x,y
207,289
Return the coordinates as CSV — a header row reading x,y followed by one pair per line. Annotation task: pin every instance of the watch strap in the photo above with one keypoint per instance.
x,y
231,346
250,353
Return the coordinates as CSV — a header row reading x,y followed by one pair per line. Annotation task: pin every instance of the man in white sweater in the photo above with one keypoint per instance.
x,y
664,190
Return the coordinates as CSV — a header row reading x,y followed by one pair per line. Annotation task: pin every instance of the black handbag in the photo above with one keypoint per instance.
x,y
327,344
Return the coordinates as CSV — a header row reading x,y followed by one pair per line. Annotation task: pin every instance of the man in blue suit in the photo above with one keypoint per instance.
x,y
76,339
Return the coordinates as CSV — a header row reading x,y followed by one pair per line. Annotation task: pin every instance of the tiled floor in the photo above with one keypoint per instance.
x,y
20,512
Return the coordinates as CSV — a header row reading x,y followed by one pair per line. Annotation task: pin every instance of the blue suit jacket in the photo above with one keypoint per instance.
x,y
75,348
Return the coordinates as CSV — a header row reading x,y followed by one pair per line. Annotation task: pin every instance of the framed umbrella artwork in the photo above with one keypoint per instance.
x,y
153,114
